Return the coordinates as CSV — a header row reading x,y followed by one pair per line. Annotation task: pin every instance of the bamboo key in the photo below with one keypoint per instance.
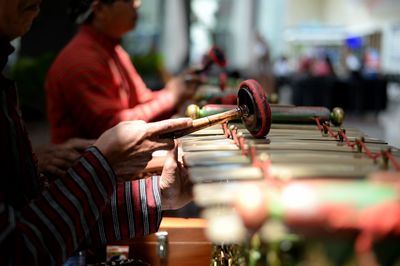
x,y
282,171
283,144
303,128
212,158
287,135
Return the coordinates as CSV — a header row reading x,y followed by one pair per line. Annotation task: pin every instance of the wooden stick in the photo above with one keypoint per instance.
x,y
205,122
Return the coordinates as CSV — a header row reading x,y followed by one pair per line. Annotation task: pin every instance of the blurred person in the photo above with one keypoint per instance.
x,y
44,225
263,62
262,53
371,66
355,80
329,63
353,65
322,66
305,65
93,85
282,72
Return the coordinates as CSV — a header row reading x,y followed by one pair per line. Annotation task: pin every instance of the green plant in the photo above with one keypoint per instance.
x,y
29,74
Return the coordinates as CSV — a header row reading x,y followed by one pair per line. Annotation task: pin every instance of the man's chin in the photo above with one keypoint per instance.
x,y
13,31
15,34
24,30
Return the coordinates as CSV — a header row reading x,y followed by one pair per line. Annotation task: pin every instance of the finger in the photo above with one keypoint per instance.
x,y
79,144
59,163
134,123
169,171
174,150
169,125
180,154
43,149
161,144
187,183
172,155
66,155
53,170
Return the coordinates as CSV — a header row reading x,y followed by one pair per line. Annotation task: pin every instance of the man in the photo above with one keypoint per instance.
x,y
92,85
43,226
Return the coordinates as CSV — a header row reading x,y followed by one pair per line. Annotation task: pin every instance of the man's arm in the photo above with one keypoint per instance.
x,y
51,227
134,211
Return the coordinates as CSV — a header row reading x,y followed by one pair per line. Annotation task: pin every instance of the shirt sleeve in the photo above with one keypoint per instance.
x,y
158,108
52,226
134,211
150,105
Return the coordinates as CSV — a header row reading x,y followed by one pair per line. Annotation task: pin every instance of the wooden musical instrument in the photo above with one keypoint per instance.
x,y
318,170
269,198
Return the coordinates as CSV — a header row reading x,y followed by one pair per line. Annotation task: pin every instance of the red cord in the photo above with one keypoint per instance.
x,y
234,136
242,146
395,164
370,154
343,135
359,143
227,134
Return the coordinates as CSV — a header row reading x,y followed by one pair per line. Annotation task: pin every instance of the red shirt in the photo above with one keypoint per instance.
x,y
93,85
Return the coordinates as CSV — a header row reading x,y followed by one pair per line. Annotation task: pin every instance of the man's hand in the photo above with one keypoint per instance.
x,y
128,146
55,159
175,186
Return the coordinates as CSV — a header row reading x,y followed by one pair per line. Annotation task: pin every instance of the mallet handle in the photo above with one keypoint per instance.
x,y
205,122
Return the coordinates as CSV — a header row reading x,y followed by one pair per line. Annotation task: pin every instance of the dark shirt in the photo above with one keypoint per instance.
x,y
19,181
85,205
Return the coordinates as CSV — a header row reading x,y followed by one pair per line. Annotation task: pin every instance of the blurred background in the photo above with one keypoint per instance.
x,y
309,52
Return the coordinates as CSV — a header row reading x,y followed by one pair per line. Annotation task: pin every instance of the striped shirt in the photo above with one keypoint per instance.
x,y
16,158
93,85
84,206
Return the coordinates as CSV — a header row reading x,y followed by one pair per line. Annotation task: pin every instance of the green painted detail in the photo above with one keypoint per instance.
x,y
275,207
211,111
333,117
297,115
357,194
